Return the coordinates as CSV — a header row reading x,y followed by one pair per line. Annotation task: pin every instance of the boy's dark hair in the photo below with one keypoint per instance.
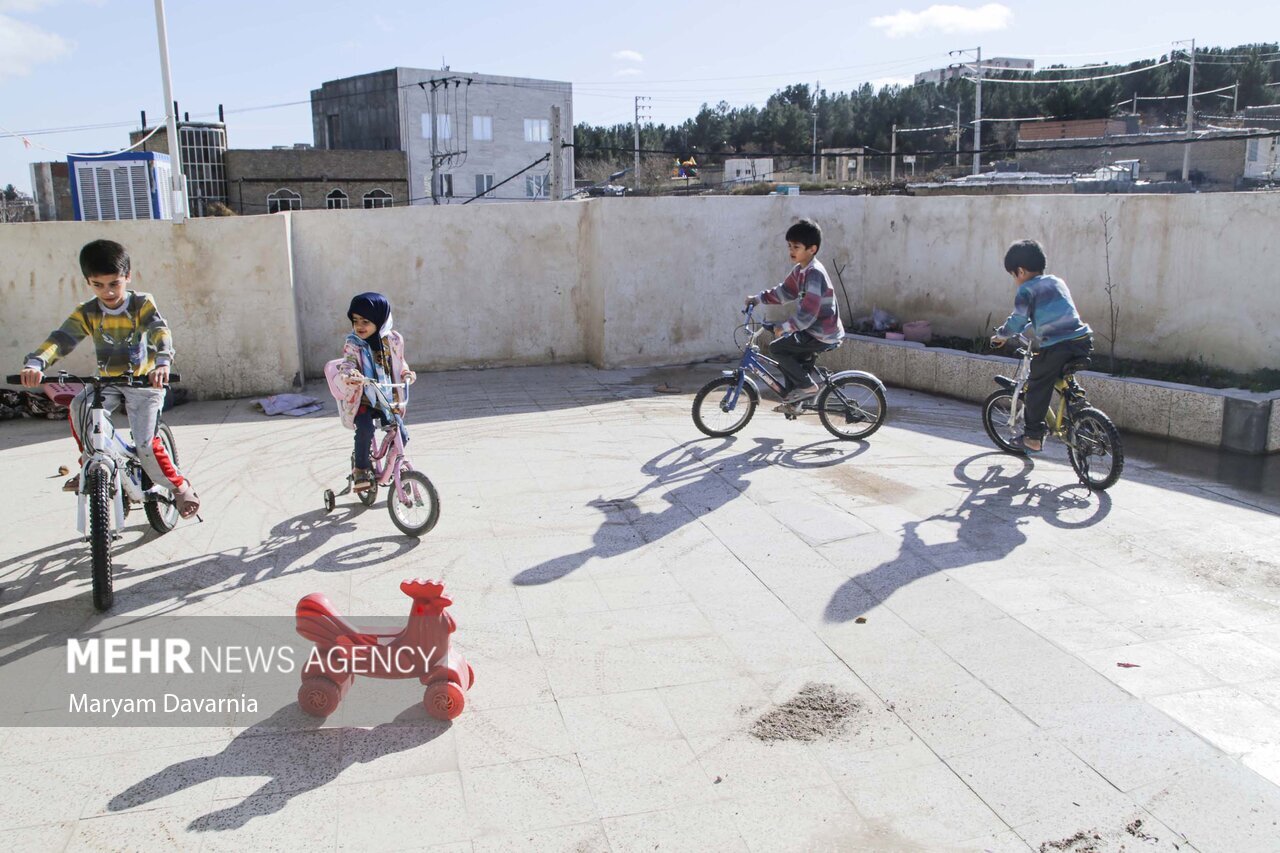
x,y
104,257
805,232
1026,254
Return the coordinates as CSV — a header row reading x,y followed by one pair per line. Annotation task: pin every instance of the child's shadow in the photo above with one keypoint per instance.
x,y
696,480
291,749
998,502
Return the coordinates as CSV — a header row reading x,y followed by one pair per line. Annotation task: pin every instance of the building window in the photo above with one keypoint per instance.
x,y
537,130
337,200
283,200
377,198
444,126
484,183
482,128
535,186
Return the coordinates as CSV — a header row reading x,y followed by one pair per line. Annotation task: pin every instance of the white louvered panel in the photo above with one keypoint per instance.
x,y
86,183
163,174
139,192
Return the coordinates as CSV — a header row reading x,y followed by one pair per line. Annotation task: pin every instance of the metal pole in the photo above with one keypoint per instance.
x,y
1191,116
635,172
893,153
1235,98
177,183
957,131
435,132
813,167
977,122
557,157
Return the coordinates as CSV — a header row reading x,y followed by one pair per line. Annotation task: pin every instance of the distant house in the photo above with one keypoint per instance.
x,y
478,130
284,179
954,72
746,170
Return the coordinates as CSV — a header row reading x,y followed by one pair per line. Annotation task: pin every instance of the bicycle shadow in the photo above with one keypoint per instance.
x,y
988,527
698,480
295,754
180,584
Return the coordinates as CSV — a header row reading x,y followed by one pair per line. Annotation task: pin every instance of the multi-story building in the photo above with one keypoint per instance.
x,y
995,63
468,132
202,148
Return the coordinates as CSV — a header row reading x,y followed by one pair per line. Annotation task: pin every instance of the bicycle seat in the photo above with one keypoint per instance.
x,y
1076,364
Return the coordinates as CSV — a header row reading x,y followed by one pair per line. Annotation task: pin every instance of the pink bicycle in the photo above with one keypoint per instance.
x,y
412,500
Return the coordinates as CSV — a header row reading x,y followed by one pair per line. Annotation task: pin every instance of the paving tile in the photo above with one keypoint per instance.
x,y
526,795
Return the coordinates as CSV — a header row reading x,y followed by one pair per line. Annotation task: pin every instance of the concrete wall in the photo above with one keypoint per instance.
x,y
223,285
652,281
1215,161
481,285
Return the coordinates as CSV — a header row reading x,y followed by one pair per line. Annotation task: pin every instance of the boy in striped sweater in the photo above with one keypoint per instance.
x,y
815,327
128,334
1043,303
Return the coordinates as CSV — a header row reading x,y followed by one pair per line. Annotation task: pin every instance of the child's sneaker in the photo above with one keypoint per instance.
x,y
801,394
361,479
72,484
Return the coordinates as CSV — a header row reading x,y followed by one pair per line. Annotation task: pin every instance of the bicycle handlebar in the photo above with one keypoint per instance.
x,y
135,381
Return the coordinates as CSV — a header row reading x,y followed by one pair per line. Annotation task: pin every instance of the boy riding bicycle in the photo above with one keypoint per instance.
x,y
129,336
816,326
1044,303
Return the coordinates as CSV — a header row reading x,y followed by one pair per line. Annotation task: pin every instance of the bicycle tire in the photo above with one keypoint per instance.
x,y
1093,434
98,490
995,420
163,516
727,383
848,418
421,492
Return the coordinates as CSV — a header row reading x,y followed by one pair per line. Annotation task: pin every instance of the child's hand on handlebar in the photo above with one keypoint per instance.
x,y
31,376
997,341
408,377
160,376
753,300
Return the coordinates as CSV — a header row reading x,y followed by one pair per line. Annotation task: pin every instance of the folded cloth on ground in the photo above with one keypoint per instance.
x,y
294,405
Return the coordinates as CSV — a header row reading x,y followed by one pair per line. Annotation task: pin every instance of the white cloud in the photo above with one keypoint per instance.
x,y
23,46
628,55
946,19
628,72
23,5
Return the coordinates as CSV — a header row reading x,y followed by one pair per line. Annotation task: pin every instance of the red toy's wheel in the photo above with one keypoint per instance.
x,y
318,696
444,700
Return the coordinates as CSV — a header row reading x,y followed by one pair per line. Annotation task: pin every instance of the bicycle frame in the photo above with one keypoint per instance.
x,y
1056,419
105,448
388,455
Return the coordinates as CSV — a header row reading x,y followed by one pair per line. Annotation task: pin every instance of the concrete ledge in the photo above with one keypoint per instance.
x,y
1230,418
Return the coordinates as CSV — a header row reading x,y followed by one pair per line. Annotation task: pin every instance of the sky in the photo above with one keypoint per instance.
x,y
75,74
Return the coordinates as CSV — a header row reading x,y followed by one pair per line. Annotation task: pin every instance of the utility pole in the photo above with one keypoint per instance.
x,y
177,182
977,105
1191,115
435,156
635,172
813,167
957,130
557,156
1235,98
893,153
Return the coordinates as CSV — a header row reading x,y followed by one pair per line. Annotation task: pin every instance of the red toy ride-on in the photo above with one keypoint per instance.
x,y
420,650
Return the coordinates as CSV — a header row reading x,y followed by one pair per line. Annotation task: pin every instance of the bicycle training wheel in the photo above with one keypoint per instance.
x,y
163,515
852,407
415,506
717,413
99,493
995,419
1094,448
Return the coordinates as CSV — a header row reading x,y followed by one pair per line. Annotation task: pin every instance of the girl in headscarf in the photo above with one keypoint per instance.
x,y
372,350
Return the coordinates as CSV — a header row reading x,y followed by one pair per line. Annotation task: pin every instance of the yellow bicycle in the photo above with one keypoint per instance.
x,y
1092,440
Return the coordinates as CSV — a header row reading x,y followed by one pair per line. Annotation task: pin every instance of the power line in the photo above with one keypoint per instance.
x,y
1025,82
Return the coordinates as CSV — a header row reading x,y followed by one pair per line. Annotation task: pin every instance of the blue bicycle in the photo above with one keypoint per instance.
x,y
851,404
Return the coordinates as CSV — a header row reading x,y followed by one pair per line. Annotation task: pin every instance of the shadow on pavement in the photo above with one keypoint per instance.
x,y
695,479
999,498
295,755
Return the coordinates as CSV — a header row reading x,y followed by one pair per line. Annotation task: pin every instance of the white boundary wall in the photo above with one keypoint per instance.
x,y
652,281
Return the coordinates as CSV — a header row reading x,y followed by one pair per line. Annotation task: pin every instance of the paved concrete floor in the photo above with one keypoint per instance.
x,y
634,596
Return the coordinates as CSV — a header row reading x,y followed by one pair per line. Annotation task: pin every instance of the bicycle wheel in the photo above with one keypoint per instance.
x,y
712,412
1094,448
995,419
163,515
98,489
415,507
852,407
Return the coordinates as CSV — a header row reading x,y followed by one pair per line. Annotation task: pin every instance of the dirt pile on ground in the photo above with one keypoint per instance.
x,y
818,711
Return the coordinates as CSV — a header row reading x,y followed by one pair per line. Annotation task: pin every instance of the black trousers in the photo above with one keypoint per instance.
x,y
1046,369
790,351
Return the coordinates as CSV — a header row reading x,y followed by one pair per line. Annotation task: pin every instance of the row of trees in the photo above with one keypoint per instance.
x,y
783,127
